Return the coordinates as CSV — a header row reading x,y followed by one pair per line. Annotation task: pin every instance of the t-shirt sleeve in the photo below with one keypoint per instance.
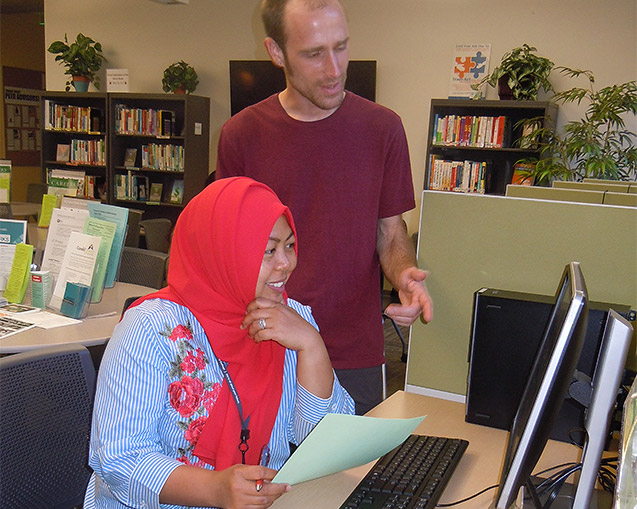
x,y
398,189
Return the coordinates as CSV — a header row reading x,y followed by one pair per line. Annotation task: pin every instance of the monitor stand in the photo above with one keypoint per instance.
x,y
600,499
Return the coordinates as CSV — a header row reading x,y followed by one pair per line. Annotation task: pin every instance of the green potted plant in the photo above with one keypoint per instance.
x,y
520,75
598,145
82,59
180,78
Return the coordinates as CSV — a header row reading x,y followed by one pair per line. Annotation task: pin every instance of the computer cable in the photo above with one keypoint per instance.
x,y
471,497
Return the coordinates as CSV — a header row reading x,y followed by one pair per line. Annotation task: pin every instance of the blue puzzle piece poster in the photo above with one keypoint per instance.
x,y
470,65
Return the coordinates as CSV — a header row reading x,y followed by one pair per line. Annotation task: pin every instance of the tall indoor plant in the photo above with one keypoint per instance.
x,y
82,59
180,78
520,75
598,145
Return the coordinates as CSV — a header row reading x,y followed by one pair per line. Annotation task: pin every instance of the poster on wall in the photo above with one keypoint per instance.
x,y
470,65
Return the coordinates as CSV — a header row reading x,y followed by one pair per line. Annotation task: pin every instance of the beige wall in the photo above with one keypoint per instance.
x,y
21,42
413,41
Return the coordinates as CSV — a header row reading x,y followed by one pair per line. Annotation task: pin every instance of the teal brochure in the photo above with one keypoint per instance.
x,y
13,231
339,442
119,216
106,231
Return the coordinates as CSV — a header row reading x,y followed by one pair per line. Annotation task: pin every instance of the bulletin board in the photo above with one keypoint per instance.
x,y
21,94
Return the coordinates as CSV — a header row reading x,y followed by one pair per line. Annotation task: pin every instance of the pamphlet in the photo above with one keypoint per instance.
x,y
119,216
63,223
77,266
40,288
12,233
10,325
18,280
106,231
5,180
49,202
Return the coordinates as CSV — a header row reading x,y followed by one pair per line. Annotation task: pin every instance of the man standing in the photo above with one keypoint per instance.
x,y
341,163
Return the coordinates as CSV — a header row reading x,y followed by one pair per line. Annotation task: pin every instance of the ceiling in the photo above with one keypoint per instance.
x,y
17,6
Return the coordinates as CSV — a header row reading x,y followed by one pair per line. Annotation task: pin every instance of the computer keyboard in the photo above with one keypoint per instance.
x,y
411,476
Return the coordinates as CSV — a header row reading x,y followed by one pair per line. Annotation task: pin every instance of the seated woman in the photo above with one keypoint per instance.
x,y
201,376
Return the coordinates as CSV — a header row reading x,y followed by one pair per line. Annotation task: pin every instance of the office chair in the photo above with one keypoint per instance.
x,y
46,404
143,267
132,233
157,233
5,211
393,300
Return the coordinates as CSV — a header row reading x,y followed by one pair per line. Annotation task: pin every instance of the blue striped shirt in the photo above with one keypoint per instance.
x,y
142,429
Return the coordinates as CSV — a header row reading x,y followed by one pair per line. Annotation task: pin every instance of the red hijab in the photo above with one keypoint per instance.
x,y
215,259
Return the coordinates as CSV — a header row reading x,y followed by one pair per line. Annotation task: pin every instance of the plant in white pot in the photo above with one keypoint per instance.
x,y
82,59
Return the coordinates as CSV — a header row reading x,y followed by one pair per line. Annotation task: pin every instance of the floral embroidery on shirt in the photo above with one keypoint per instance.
x,y
191,394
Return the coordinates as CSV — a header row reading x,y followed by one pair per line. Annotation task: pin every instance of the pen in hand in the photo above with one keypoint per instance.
x,y
265,460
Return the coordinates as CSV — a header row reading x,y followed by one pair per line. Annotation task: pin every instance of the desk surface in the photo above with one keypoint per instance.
x,y
478,468
94,330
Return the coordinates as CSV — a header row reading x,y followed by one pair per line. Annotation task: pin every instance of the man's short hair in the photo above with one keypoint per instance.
x,y
272,15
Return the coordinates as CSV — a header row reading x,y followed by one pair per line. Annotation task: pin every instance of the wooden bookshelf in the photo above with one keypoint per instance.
x,y
468,142
169,134
74,140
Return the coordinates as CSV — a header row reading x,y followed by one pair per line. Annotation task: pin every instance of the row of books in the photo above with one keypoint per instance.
x,y
163,157
471,131
71,183
458,176
90,152
148,122
131,186
67,117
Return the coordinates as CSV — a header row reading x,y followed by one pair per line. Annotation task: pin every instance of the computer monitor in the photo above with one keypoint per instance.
x,y
553,375
548,383
254,80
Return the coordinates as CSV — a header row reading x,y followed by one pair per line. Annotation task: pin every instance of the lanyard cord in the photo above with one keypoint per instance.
x,y
245,431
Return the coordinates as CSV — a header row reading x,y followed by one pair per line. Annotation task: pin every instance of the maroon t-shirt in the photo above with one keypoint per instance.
x,y
338,175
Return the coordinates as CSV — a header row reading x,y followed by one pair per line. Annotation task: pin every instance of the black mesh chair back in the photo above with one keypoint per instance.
x,y
143,267
5,211
46,404
132,233
157,233
35,191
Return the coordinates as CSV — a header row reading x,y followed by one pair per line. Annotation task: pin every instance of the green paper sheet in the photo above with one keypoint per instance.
x,y
49,202
20,274
340,442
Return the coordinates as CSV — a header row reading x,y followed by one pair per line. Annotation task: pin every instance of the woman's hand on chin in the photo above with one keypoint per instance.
x,y
269,320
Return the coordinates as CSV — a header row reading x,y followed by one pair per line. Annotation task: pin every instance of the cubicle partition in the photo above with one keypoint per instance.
x,y
474,241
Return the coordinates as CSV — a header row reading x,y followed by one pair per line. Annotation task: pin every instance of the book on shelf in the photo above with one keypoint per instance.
x,y
471,131
63,153
177,192
156,189
129,157
140,187
68,117
520,172
457,176
66,182
145,121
